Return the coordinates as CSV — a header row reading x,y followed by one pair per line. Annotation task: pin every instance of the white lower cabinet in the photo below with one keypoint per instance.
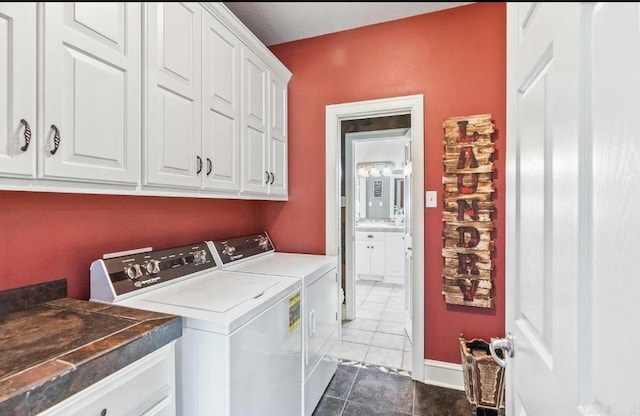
x,y
370,254
380,255
146,388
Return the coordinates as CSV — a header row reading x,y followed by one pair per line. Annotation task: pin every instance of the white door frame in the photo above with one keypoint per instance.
x,y
385,107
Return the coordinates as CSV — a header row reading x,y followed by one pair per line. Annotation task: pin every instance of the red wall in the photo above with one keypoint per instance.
x,y
457,59
48,236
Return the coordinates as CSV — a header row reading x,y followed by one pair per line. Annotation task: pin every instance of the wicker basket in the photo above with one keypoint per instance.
x,y
483,377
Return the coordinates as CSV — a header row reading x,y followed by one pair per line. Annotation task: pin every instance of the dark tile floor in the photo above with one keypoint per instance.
x,y
371,390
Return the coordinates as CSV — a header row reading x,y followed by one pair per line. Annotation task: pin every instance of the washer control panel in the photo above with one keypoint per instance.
x,y
137,271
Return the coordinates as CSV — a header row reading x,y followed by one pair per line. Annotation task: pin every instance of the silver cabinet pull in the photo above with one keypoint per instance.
x,y
56,139
27,135
266,182
272,178
199,165
505,344
209,166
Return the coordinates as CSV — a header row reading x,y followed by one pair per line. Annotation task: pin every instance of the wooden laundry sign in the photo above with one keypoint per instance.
x,y
468,225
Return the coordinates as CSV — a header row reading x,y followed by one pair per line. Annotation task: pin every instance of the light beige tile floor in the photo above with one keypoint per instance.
x,y
377,334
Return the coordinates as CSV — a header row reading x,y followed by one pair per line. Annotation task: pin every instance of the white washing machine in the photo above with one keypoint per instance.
x,y
241,347
321,320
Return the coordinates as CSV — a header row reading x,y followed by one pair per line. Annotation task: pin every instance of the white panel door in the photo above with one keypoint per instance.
x,y
92,79
278,130
612,385
18,94
221,106
408,239
394,254
256,174
544,216
174,91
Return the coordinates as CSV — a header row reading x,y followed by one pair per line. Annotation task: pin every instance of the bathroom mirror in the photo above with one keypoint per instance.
x,y
379,197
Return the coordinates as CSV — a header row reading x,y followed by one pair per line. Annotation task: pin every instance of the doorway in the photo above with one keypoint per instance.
x,y
412,107
377,329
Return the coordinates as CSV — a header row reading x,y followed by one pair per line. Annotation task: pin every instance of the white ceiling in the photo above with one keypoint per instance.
x,y
279,22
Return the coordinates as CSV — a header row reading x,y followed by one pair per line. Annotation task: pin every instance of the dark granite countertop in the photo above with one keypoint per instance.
x,y
51,347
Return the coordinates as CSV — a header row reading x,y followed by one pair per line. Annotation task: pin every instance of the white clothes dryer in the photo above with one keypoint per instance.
x,y
241,346
321,317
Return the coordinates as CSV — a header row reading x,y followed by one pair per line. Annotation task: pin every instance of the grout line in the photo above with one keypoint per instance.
x,y
413,401
344,405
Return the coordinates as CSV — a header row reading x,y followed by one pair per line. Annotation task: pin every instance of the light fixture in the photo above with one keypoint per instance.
x,y
374,169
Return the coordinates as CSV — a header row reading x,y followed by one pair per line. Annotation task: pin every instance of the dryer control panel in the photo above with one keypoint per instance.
x,y
239,248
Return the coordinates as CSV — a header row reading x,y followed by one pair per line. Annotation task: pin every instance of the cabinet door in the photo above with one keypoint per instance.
x,y
174,108
18,94
395,258
278,137
145,387
377,258
92,79
363,257
256,174
221,106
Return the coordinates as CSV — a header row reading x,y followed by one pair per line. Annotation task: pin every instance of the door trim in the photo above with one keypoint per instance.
x,y
334,115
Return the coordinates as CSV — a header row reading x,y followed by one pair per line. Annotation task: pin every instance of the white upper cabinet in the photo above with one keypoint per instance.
x,y
173,95
278,142
91,92
264,135
18,91
221,106
256,174
154,98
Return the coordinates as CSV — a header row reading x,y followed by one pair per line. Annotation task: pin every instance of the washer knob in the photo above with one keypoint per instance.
x,y
153,266
133,271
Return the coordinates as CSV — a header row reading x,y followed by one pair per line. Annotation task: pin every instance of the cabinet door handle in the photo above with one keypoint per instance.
x,y
27,135
272,178
369,236
209,166
56,139
103,412
266,182
199,165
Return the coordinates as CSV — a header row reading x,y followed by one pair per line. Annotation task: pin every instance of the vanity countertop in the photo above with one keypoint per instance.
x,y
51,347
380,227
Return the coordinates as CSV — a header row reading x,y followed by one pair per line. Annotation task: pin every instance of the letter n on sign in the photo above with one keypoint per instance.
x,y
468,207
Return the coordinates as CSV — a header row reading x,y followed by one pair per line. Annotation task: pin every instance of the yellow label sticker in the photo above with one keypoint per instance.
x,y
294,313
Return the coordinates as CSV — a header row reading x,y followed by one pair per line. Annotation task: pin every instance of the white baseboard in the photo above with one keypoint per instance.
x,y
443,374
